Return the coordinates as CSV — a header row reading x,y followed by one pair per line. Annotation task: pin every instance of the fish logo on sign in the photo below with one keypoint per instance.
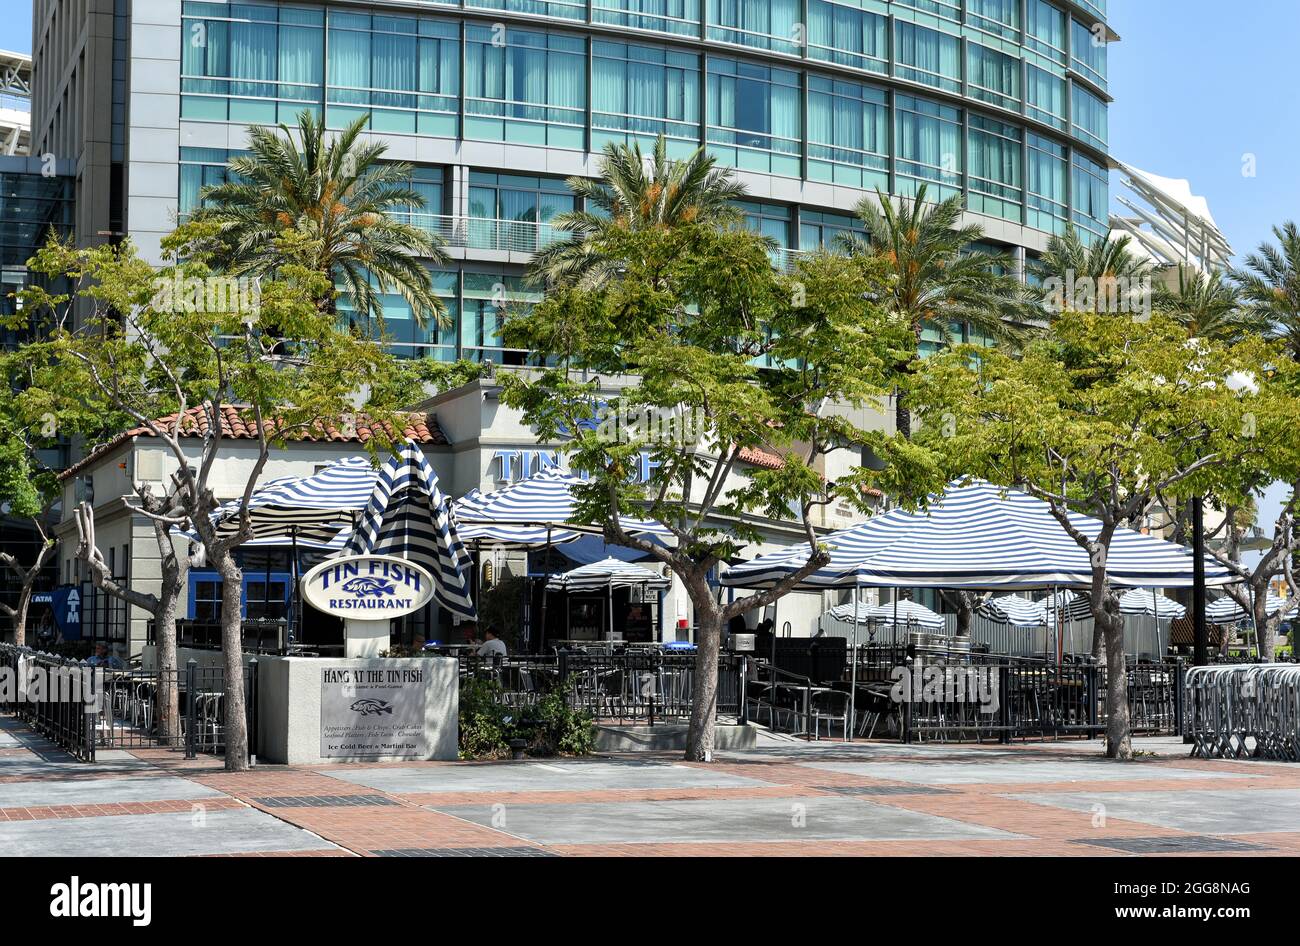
x,y
373,587
372,707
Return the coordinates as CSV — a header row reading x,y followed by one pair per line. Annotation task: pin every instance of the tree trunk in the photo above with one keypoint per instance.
x,y
20,614
965,612
704,693
902,416
173,579
169,684
1119,740
232,648
1265,627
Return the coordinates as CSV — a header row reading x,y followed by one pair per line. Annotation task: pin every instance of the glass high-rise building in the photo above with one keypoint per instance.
x,y
815,103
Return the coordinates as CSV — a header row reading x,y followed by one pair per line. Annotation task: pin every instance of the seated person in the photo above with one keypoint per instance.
x,y
492,644
102,658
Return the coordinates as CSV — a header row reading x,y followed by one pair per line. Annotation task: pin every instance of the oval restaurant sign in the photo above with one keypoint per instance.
x,y
367,587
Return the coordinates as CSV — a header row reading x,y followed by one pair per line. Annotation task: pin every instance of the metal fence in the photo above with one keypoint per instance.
x,y
55,696
82,708
636,686
1244,711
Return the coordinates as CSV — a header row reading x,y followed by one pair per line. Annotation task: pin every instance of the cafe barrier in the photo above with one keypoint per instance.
x,y
1244,711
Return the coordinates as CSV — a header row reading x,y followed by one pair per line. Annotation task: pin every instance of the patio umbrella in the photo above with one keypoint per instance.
x,y
1013,609
980,536
901,613
480,534
409,516
1227,611
544,500
609,573
311,508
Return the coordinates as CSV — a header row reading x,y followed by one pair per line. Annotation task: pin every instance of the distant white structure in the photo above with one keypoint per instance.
x,y
1169,223
15,103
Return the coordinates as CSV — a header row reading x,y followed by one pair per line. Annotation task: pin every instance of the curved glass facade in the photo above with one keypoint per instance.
x,y
815,101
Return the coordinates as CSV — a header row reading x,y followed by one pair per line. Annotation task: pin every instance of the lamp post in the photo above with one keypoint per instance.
x,y
1200,633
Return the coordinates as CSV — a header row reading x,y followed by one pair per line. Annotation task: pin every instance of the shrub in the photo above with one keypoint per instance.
x,y
553,727
484,723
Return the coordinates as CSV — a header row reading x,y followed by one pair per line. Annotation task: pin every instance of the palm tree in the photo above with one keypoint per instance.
x,y
935,276
339,194
1270,285
1207,305
1068,260
635,194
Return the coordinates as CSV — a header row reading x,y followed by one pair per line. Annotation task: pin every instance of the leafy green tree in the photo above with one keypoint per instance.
x,y
1103,416
171,349
634,193
340,197
727,356
28,488
935,276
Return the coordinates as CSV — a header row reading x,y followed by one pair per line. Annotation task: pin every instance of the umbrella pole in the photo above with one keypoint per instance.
x,y
546,552
1155,608
297,597
853,671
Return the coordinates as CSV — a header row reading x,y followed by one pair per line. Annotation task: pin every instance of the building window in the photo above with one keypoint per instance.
x,y
1090,196
948,9
512,213
847,36
530,90
661,16
754,117
641,92
1046,179
400,72
487,299
928,147
200,168
1045,30
1044,96
821,231
250,63
1088,117
398,329
995,174
993,77
1001,17
428,183
264,597
1088,52
560,9
848,133
927,56
763,25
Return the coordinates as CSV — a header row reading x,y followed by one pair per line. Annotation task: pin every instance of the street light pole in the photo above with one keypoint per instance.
x,y
1200,634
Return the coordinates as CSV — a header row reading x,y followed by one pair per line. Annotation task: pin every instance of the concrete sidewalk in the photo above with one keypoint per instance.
x,y
782,797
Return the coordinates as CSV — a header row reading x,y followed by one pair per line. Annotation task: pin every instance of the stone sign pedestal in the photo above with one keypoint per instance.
x,y
364,638
312,710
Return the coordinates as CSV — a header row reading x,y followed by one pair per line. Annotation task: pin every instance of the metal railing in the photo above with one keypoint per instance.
x,y
1243,711
632,687
56,697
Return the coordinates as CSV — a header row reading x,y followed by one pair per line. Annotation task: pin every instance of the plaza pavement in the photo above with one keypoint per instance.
x,y
784,798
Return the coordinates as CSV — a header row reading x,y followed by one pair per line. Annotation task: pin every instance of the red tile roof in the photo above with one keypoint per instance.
x,y
759,457
239,423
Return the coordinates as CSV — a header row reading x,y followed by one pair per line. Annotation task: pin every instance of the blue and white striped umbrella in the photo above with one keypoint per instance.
x,y
316,507
543,500
1014,610
909,614
408,516
608,573
488,534
1227,611
1146,601
973,536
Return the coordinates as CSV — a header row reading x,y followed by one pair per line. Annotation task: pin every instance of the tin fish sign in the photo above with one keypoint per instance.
x,y
367,587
